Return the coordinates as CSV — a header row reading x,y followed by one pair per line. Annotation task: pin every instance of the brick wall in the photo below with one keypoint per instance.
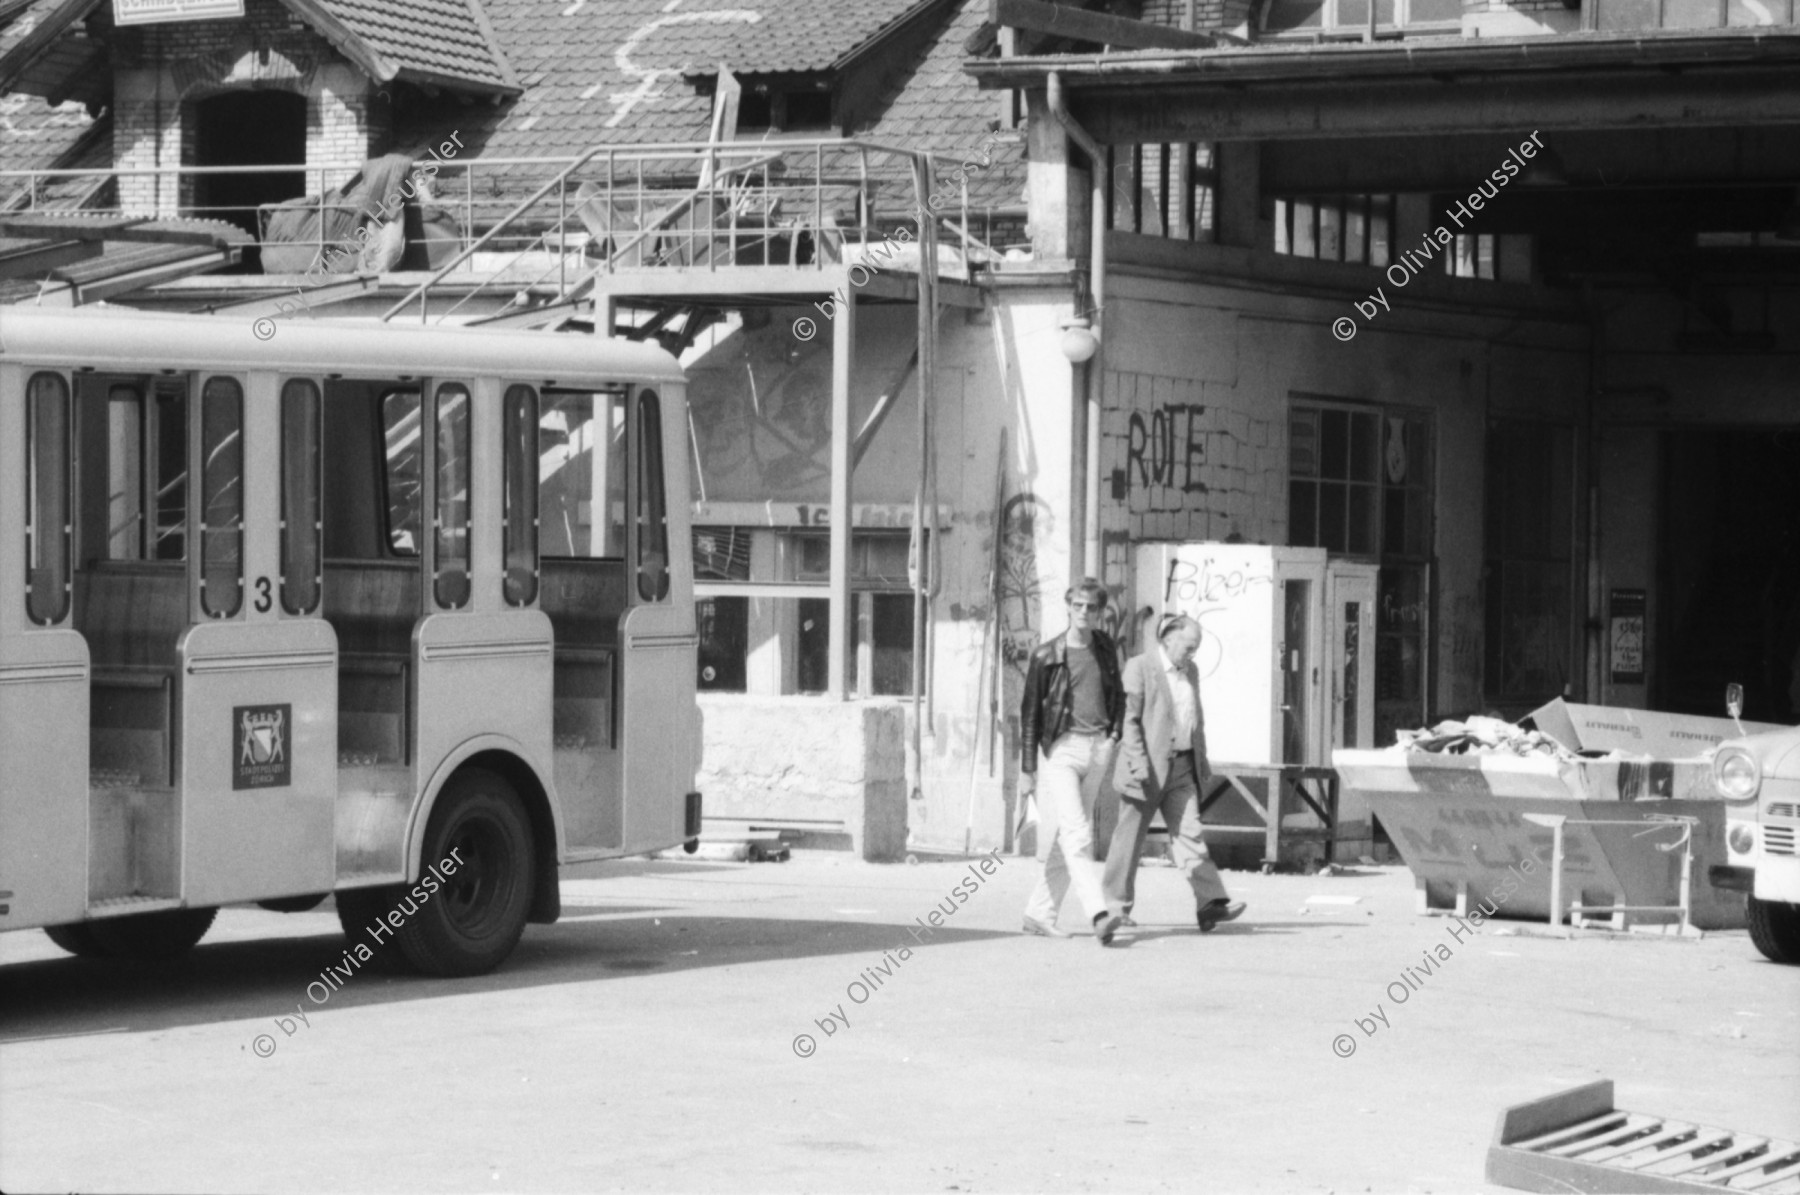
x,y
162,71
1187,459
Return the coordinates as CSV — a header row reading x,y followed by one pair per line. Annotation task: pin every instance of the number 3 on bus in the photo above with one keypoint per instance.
x,y
306,616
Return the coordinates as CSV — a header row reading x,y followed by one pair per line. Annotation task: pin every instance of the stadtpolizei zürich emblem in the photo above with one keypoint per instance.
x,y
262,746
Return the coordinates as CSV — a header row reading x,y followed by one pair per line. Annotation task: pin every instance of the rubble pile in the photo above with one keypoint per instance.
x,y
1485,736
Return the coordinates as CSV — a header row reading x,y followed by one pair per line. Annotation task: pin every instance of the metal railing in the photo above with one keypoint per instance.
x,y
554,226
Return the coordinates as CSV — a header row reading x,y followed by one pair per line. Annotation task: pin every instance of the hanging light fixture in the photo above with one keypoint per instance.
x,y
1078,340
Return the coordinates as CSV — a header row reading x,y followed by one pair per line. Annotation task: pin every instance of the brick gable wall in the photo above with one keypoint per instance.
x,y
162,71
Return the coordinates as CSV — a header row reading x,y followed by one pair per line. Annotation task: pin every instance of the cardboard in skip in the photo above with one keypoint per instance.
x,y
1459,820
1647,732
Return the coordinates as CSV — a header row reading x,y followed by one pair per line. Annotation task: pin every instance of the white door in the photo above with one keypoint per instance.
x,y
1350,640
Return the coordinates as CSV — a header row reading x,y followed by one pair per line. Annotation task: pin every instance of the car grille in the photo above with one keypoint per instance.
x,y
1778,840
1784,809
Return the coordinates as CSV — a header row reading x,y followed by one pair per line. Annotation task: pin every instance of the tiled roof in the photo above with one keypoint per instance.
x,y
33,135
935,105
445,41
601,72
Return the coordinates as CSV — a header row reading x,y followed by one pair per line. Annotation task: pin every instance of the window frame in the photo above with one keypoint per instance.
x,y
34,504
520,482
289,539
650,506
444,593
209,453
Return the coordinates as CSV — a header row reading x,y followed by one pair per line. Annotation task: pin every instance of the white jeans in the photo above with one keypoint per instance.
x,y
1067,783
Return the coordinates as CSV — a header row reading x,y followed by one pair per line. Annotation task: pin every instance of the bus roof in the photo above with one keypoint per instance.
x,y
123,339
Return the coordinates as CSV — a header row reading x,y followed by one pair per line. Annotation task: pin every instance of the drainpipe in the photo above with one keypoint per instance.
x,y
1089,487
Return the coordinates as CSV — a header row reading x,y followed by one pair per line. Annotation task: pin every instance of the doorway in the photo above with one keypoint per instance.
x,y
1729,577
248,128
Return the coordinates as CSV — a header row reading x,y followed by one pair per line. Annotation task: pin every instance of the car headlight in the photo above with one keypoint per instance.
x,y
1741,837
1736,774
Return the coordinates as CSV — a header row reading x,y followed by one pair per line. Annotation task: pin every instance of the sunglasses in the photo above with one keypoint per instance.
x,y
1087,605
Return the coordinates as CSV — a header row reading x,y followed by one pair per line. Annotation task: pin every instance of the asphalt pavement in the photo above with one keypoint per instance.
x,y
703,1026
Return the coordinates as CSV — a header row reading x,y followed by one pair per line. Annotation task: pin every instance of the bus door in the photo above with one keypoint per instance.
x,y
258,725
483,650
132,538
659,719
43,661
586,585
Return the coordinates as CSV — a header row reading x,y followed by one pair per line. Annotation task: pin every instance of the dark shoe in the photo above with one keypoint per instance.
x,y
1217,911
1044,931
1105,926
1126,922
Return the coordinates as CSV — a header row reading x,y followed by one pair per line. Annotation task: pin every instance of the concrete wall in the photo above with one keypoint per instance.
x,y
811,760
998,369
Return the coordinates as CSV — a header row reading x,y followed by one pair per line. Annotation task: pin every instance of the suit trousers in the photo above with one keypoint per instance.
x,y
1180,807
1068,781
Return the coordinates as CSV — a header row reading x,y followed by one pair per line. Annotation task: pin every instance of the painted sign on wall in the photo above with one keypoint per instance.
x,y
153,12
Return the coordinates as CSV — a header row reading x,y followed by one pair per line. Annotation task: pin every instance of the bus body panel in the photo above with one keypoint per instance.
x,y
657,697
413,842
482,674
660,657
44,766
139,340
44,705
258,760
375,804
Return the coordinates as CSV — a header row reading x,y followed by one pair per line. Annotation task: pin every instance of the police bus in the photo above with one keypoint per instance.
x,y
298,610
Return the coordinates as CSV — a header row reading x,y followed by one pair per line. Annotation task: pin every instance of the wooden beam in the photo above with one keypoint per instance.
x,y
1185,108
1625,158
32,258
1079,24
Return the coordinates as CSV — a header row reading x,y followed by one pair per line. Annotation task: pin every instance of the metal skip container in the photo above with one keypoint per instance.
x,y
1481,827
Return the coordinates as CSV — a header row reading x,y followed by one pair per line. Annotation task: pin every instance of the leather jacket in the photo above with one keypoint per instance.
x,y
1049,702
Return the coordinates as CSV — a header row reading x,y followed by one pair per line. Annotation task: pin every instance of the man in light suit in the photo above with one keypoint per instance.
x,y
1162,761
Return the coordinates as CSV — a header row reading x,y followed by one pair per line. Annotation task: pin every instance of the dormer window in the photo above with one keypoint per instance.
x,y
781,107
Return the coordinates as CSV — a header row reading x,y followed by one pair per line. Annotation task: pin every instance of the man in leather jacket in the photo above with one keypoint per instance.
x,y
1073,712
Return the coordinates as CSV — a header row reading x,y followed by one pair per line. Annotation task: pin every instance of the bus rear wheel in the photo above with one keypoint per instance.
x,y
1775,929
148,937
77,938
474,920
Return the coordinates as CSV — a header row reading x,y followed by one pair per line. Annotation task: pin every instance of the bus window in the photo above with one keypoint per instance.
x,y
450,518
521,514
221,497
581,475
302,529
146,470
405,496
47,494
652,512
169,422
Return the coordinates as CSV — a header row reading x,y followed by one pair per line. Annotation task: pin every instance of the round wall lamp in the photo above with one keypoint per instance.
x,y
1078,340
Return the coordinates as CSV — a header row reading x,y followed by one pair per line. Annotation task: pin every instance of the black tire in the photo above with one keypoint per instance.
x,y
1775,929
76,938
358,908
474,919
148,937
